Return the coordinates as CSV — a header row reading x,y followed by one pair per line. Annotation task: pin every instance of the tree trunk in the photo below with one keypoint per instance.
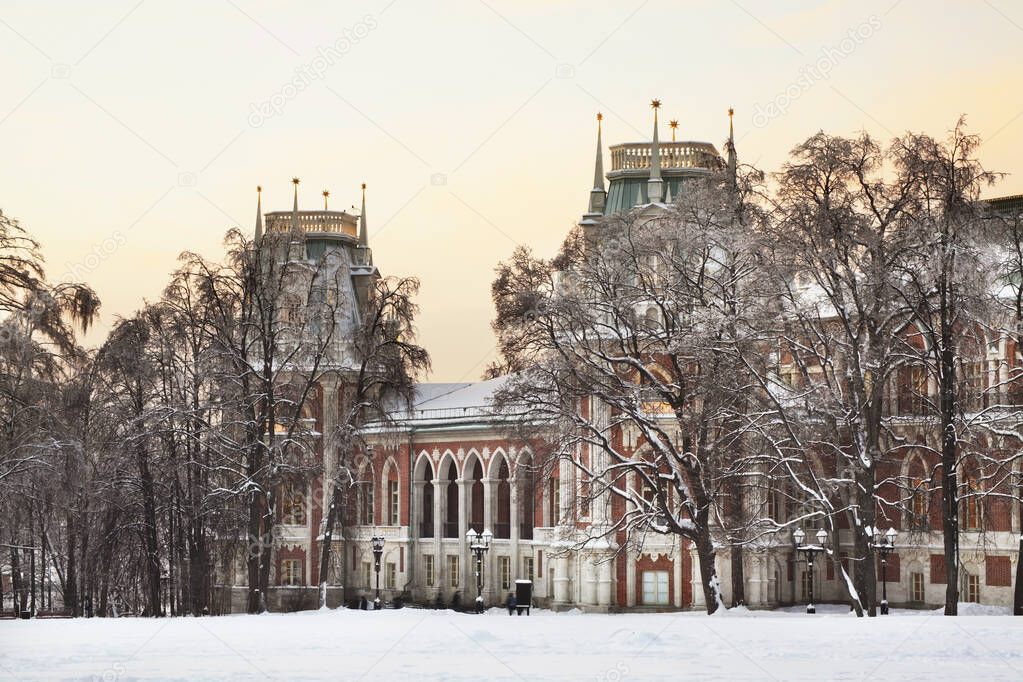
x,y
150,537
949,477
864,569
327,545
71,577
708,570
254,553
1017,595
738,575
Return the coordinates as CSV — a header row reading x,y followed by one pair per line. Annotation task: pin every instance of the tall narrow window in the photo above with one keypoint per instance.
x,y
554,498
430,570
453,570
476,494
504,568
527,505
366,501
916,587
527,568
451,504
426,513
293,504
502,529
393,497
390,575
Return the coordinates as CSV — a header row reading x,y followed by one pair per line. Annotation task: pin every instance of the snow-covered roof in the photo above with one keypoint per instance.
x,y
460,395
451,405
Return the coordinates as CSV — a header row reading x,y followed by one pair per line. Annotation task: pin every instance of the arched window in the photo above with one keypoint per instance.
x,y
365,497
554,498
393,497
527,500
502,528
476,493
451,503
426,508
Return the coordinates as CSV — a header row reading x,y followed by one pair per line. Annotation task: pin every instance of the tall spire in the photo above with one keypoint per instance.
x,y
363,229
732,177
294,208
326,194
673,124
259,212
597,195
654,184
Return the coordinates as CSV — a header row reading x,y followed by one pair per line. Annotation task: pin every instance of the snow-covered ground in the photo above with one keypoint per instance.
x,y
414,644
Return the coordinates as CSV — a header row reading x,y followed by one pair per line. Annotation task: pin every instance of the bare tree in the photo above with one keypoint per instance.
x,y
384,365
630,355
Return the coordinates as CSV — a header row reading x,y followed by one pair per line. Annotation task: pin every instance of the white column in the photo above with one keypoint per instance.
x,y
516,566
588,580
630,579
439,562
467,582
561,579
604,584
677,578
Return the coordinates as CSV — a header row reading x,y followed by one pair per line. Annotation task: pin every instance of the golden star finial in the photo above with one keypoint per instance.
x,y
731,112
364,185
673,123
326,193
295,181
259,188
656,104
600,116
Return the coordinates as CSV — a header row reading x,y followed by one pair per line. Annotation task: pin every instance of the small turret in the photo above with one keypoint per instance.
x,y
730,149
655,186
259,213
597,195
367,255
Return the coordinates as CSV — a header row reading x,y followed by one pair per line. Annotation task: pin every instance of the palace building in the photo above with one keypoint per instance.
x,y
449,464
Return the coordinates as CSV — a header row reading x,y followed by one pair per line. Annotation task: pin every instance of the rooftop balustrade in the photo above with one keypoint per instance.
x,y
636,155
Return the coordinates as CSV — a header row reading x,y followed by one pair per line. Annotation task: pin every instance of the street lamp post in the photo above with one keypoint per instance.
x,y
883,546
378,551
810,551
479,544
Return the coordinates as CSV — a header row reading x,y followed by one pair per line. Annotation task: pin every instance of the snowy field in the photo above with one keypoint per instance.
x,y
414,644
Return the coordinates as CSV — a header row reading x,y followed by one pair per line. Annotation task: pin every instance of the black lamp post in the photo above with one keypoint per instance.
x,y
378,551
883,546
810,551
479,544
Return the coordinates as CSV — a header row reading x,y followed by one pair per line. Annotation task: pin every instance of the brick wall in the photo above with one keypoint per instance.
x,y
938,569
998,571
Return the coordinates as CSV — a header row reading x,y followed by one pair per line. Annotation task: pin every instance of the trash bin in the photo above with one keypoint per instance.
x,y
523,596
26,615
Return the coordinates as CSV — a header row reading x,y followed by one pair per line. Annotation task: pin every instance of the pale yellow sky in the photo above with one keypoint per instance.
x,y
130,131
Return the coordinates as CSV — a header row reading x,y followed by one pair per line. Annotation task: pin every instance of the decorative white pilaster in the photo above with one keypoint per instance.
x,y
604,582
